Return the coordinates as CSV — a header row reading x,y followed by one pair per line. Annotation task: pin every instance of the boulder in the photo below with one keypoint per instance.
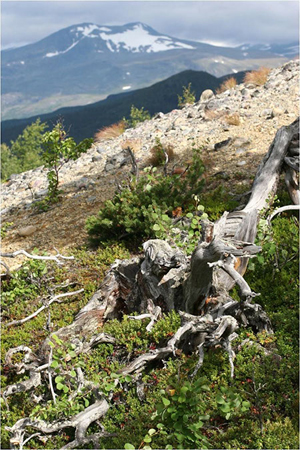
x,y
206,95
27,231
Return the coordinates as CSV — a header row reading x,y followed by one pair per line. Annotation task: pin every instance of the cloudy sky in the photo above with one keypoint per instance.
x,y
217,22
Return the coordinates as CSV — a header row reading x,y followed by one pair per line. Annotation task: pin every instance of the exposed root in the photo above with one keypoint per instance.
x,y
80,422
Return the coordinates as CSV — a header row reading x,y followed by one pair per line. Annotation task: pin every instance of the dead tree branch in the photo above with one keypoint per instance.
x,y
28,255
52,300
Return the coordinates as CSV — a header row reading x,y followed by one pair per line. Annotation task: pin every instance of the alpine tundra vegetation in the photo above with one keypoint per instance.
x,y
154,304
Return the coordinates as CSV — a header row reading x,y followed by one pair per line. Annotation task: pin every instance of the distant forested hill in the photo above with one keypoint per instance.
x,y
84,121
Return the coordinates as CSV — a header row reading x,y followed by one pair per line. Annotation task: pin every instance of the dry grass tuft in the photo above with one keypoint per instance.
x,y
134,144
111,132
157,157
211,114
257,77
227,84
233,119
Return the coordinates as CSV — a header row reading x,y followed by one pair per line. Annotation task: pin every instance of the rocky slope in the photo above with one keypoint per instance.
x,y
234,130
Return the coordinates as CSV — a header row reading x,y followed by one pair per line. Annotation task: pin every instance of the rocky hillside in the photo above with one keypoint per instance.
x,y
234,130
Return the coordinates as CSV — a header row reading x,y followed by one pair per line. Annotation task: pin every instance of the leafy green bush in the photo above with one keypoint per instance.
x,y
144,208
136,116
187,97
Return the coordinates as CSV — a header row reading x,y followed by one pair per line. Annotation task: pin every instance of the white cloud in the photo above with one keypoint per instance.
x,y
227,22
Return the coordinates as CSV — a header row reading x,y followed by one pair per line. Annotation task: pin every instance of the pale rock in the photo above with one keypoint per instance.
x,y
206,95
27,231
240,151
278,112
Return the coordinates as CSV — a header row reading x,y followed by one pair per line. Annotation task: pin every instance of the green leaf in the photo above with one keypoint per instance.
x,y
246,404
206,417
220,399
179,436
227,416
59,386
86,402
73,373
65,389
171,409
128,446
166,402
168,447
156,227
151,431
147,438
114,375
54,364
225,408
56,339
128,378
58,379
160,426
184,390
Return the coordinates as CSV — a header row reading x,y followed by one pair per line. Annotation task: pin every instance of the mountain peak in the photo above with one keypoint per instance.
x,y
134,37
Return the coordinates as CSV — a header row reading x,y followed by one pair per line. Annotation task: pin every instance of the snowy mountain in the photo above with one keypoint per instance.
x,y
85,63
135,38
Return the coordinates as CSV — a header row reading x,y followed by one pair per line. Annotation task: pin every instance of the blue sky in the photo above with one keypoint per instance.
x,y
217,22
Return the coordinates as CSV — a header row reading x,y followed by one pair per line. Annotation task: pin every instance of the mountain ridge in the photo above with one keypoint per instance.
x,y
88,62
84,121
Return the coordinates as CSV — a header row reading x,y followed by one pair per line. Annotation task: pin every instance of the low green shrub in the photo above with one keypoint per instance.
x,y
187,97
143,209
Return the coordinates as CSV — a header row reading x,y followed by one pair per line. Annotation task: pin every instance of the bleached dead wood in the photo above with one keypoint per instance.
x,y
55,258
56,299
80,422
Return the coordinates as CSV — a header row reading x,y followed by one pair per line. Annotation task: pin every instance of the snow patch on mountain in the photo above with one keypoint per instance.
x,y
50,55
138,39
